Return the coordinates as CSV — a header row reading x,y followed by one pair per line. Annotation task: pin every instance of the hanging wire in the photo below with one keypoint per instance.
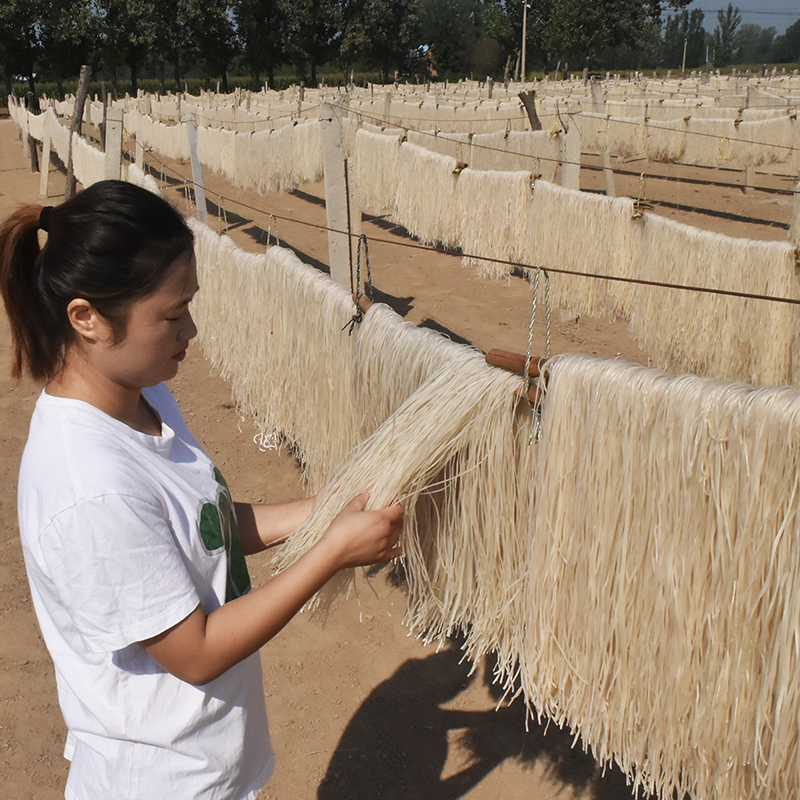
x,y
272,218
524,266
358,316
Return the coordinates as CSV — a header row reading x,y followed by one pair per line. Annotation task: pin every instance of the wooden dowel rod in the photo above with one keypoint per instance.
x,y
513,362
364,303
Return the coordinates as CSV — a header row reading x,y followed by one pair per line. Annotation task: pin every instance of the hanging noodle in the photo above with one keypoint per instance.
x,y
663,587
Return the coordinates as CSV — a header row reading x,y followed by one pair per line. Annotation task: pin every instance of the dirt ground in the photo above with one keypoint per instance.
x,y
358,709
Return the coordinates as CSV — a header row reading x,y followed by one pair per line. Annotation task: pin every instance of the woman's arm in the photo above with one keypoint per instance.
x,y
263,525
201,648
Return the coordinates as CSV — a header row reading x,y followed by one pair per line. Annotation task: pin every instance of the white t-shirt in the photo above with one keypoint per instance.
x,y
123,535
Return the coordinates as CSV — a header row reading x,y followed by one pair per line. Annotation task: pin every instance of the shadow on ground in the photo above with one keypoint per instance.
x,y
396,745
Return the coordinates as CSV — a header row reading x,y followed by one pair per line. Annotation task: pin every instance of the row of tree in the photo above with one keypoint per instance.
x,y
168,39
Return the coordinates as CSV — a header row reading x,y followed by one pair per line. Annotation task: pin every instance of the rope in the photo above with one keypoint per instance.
x,y
358,316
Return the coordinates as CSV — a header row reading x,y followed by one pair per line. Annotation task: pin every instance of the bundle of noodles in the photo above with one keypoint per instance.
x,y
211,144
707,141
376,166
666,141
662,594
533,151
245,173
259,163
306,156
489,151
88,163
729,338
393,359
36,126
605,241
626,137
794,227
267,322
59,138
765,141
227,156
455,145
438,454
493,218
425,203
140,178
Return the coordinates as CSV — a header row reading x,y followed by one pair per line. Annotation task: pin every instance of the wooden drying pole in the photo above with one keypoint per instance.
x,y
75,126
502,359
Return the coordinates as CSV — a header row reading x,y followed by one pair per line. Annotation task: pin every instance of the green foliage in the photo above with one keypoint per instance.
x,y
787,46
381,33
753,43
684,28
725,35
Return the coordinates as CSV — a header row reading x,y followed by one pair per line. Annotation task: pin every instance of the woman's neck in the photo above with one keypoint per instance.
x,y
125,403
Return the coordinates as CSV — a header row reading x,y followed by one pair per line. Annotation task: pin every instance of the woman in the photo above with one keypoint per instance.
x,y
133,546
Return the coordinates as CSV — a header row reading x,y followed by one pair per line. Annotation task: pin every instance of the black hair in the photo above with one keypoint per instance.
x,y
111,244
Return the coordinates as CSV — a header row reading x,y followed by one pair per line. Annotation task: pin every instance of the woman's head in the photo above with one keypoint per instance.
x,y
111,245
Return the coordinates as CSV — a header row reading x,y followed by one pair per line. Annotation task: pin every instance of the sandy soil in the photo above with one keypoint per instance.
x,y
358,709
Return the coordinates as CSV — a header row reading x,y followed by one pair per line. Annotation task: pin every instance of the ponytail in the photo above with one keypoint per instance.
x,y
111,244
31,332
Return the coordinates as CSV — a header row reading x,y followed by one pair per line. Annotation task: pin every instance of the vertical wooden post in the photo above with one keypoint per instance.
x,y
33,154
45,168
749,173
336,199
197,170
599,105
387,109
571,165
529,101
353,216
75,126
794,227
113,144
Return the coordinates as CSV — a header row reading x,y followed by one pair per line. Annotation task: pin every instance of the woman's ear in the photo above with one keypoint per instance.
x,y
86,322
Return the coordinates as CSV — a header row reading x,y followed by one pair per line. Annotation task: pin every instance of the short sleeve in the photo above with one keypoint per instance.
x,y
117,570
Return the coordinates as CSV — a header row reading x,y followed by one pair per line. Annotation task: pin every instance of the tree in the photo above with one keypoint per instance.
x,y
262,28
212,22
580,29
69,32
787,46
20,42
753,44
684,28
449,28
383,32
314,32
130,31
725,35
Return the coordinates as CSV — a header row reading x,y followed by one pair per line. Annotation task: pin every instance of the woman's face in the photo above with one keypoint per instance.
x,y
158,331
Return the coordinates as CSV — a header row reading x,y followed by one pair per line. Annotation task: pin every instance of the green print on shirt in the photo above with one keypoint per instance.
x,y
218,529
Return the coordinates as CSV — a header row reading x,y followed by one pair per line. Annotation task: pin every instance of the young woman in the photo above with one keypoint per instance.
x,y
133,546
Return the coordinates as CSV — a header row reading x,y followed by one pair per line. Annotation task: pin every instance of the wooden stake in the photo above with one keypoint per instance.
x,y
336,196
197,170
45,168
75,126
529,101
113,143
571,164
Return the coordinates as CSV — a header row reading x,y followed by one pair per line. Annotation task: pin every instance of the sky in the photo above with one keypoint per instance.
x,y
778,14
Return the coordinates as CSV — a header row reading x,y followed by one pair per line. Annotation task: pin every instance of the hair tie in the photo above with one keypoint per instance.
x,y
44,216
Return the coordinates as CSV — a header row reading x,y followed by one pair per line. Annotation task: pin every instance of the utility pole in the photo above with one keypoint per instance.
x,y
683,65
524,36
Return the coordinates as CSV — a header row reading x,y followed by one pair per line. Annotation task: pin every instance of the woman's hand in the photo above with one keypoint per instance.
x,y
359,537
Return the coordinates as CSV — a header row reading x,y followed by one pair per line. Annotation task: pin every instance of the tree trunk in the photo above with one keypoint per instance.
x,y
162,73
225,79
313,72
134,65
177,72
